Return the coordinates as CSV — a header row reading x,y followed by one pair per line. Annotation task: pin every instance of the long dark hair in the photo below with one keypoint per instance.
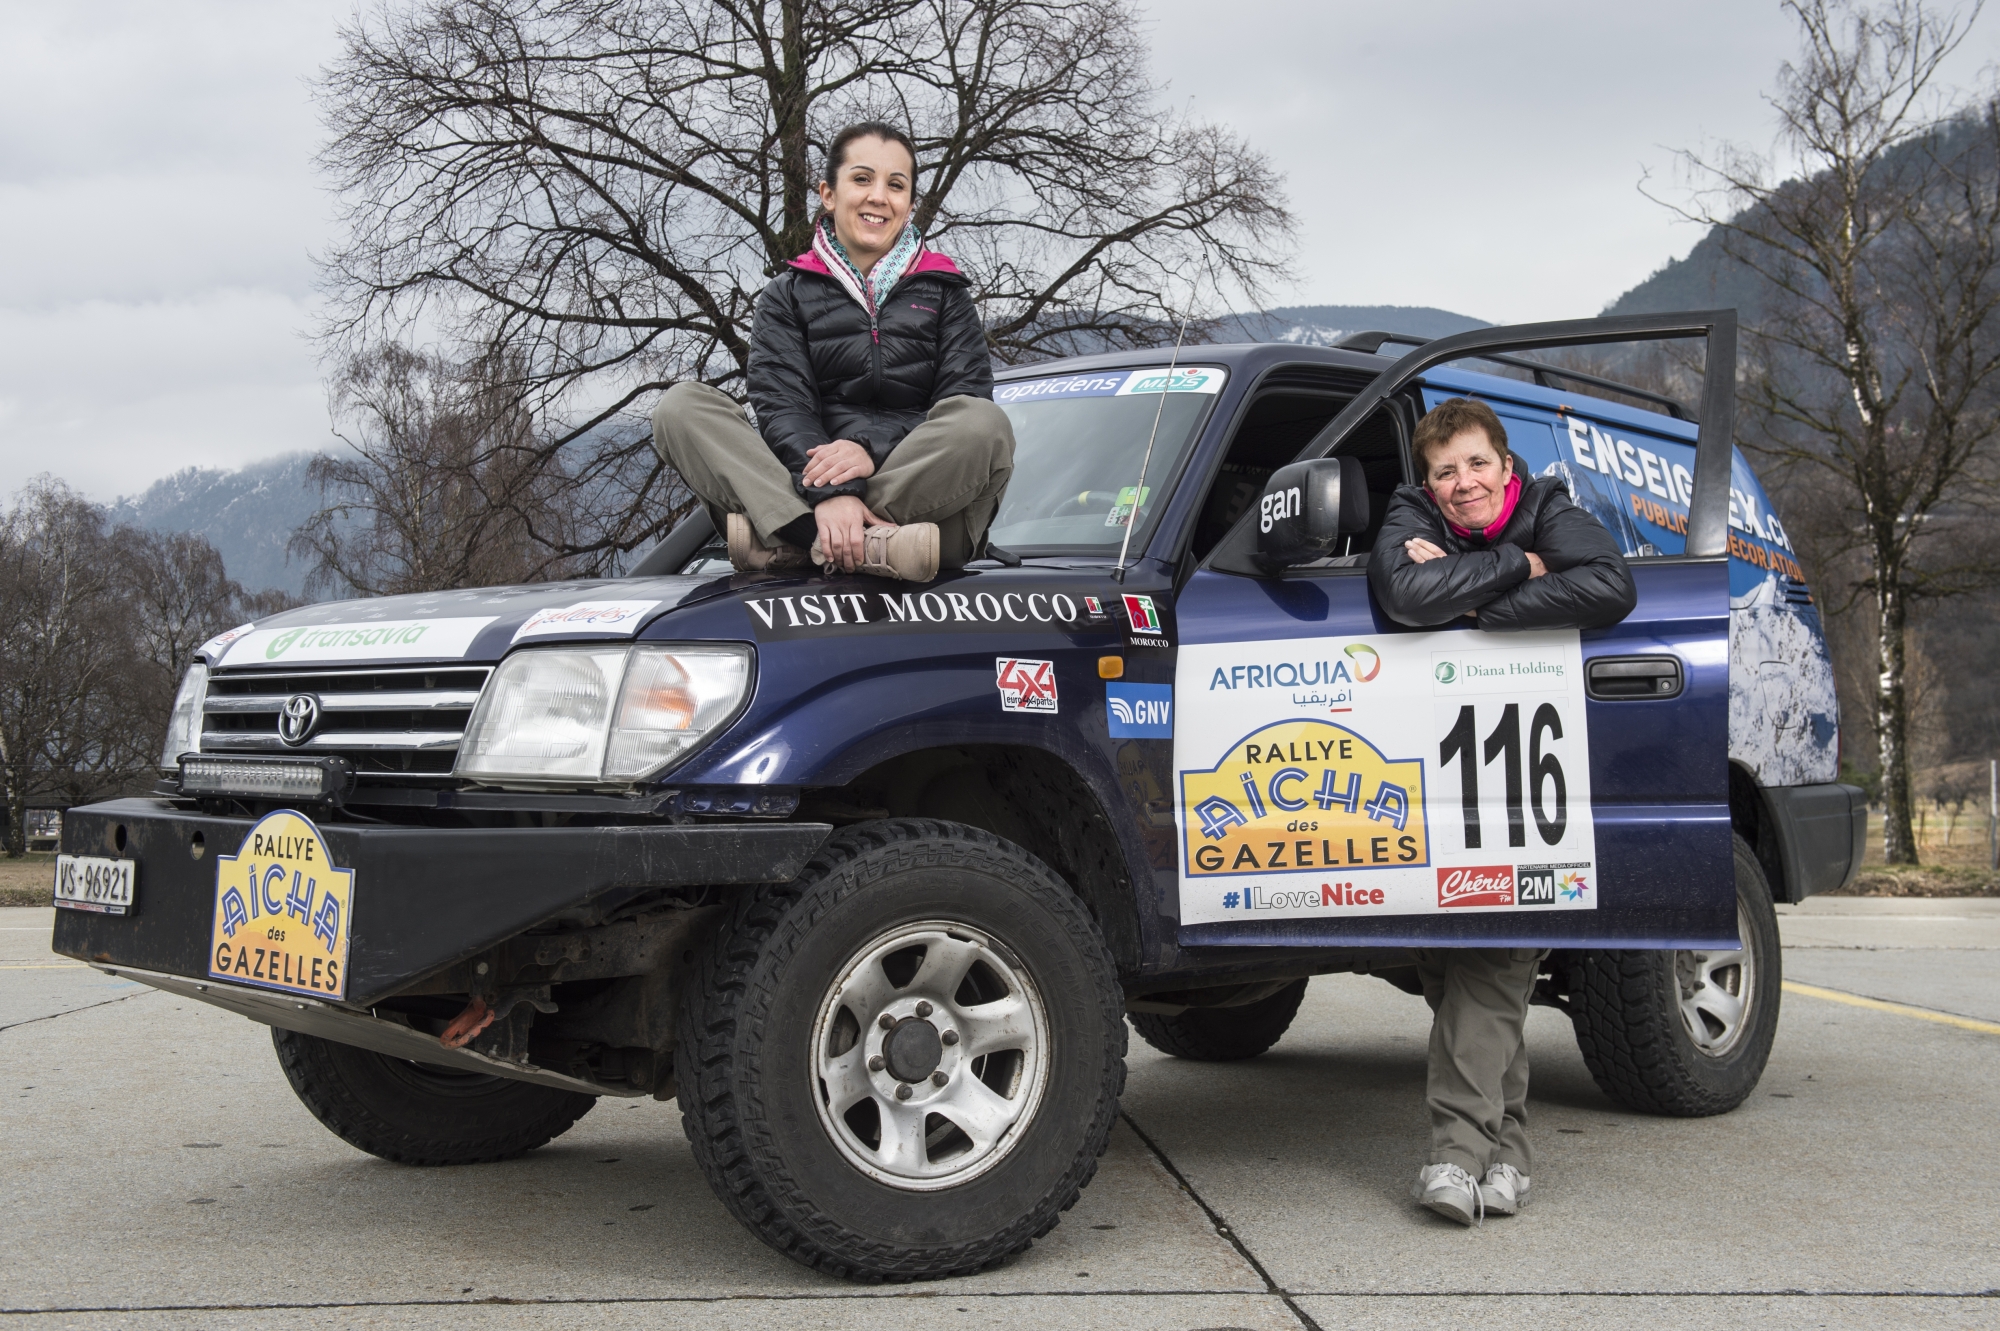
x,y
836,153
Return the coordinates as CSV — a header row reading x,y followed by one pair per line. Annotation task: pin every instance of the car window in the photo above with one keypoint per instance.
x,y
1078,443
1635,481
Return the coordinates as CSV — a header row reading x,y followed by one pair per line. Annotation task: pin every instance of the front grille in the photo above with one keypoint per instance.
x,y
402,721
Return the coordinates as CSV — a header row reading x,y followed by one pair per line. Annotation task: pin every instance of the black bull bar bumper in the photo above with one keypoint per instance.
x,y
424,898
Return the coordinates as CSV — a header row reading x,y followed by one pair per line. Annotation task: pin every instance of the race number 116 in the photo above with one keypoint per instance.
x,y
1541,780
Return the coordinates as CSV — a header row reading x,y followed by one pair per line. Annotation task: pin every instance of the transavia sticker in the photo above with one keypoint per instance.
x,y
620,617
1413,774
282,911
375,640
829,614
1139,711
1025,686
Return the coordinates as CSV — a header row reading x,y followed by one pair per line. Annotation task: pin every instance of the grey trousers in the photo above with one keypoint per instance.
x,y
1478,1084
951,470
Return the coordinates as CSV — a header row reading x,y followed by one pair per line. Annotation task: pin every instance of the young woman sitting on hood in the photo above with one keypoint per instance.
x,y
877,446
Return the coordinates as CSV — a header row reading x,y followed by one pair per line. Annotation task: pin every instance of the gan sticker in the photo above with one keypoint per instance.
x,y
1411,774
282,911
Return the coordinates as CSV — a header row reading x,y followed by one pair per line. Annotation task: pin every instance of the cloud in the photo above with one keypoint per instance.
x,y
159,208
158,204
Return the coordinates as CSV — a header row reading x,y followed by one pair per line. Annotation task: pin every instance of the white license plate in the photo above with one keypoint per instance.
x,y
92,882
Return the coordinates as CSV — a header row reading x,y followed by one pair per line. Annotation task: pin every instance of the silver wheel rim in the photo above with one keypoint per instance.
x,y
1716,993
991,1037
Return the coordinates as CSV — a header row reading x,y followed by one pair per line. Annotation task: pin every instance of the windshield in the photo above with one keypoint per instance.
x,y
1078,443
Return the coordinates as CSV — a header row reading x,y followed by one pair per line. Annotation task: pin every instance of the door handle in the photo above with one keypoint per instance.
x,y
1633,678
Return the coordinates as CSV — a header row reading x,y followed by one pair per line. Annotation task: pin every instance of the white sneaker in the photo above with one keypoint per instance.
x,y
1504,1190
1451,1192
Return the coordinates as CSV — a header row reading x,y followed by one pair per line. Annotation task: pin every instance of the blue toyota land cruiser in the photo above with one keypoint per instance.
x,y
871,875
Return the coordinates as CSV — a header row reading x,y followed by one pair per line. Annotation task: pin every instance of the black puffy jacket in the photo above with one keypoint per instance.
x,y
1587,586
821,370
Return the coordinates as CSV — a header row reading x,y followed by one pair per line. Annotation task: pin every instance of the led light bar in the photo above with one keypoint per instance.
x,y
308,780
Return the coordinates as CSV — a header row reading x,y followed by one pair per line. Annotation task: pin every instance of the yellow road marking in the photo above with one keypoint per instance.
x,y
1901,1010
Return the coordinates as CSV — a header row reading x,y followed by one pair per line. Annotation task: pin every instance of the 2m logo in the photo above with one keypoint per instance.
x,y
1025,686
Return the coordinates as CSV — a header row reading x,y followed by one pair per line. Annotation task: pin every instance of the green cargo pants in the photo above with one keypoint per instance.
x,y
951,470
1478,1083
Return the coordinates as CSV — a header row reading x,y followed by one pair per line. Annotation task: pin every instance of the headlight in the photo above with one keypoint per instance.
x,y
595,714
184,723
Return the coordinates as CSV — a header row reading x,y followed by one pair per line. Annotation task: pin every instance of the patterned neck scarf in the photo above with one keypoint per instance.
x,y
873,289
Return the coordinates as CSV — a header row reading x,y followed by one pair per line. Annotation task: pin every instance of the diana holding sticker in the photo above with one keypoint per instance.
x,y
1480,539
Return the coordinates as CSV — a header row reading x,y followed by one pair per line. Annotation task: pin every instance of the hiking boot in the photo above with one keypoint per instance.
x,y
908,553
1451,1192
1504,1190
749,554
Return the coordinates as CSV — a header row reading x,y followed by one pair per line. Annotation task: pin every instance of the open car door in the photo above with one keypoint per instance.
x,y
1344,780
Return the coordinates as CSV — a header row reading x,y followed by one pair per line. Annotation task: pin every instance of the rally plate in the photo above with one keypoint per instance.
x,y
283,911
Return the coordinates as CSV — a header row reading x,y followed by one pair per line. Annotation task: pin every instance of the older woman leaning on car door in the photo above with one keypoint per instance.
x,y
1479,539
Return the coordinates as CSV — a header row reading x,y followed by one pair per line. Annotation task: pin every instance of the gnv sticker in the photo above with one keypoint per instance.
x,y
1139,711
1404,775
619,617
1025,686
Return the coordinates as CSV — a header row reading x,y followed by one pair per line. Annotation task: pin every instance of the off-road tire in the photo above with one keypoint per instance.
x,y
750,1101
1625,1008
419,1115
1223,1034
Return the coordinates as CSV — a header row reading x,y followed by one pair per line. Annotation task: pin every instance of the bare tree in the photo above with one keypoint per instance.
x,y
66,696
592,192
1876,361
443,487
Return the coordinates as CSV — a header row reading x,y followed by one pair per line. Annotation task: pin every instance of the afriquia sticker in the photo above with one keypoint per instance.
x,y
833,614
1025,686
1139,711
1412,774
377,640
282,911
616,617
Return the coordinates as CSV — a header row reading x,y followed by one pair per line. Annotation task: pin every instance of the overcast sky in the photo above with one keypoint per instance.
x,y
158,205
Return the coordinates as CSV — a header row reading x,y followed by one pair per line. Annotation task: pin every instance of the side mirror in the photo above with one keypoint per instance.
x,y
1307,507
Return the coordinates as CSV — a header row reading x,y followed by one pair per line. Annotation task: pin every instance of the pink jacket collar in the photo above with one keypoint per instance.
x,y
930,261
1499,525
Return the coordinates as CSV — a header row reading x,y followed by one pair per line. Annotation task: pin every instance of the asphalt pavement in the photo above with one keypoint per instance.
x,y
158,1173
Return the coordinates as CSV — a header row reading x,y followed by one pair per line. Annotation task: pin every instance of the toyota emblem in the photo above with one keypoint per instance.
x,y
299,719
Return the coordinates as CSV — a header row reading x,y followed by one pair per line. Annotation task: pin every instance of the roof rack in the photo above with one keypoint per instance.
x,y
1371,343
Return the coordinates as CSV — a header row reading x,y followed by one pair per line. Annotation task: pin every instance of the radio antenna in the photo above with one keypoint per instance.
x,y
1139,490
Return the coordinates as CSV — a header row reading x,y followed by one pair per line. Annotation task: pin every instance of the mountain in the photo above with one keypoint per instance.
x,y
1707,279
248,515
1324,325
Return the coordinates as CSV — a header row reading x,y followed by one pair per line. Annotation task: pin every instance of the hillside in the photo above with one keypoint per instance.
x,y
1707,279
1323,325
248,515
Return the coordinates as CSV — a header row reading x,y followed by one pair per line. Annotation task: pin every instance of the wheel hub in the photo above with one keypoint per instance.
x,y
931,1049
1716,993
913,1050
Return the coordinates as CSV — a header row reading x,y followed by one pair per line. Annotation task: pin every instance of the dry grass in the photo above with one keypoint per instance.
x,y
1954,862
28,880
